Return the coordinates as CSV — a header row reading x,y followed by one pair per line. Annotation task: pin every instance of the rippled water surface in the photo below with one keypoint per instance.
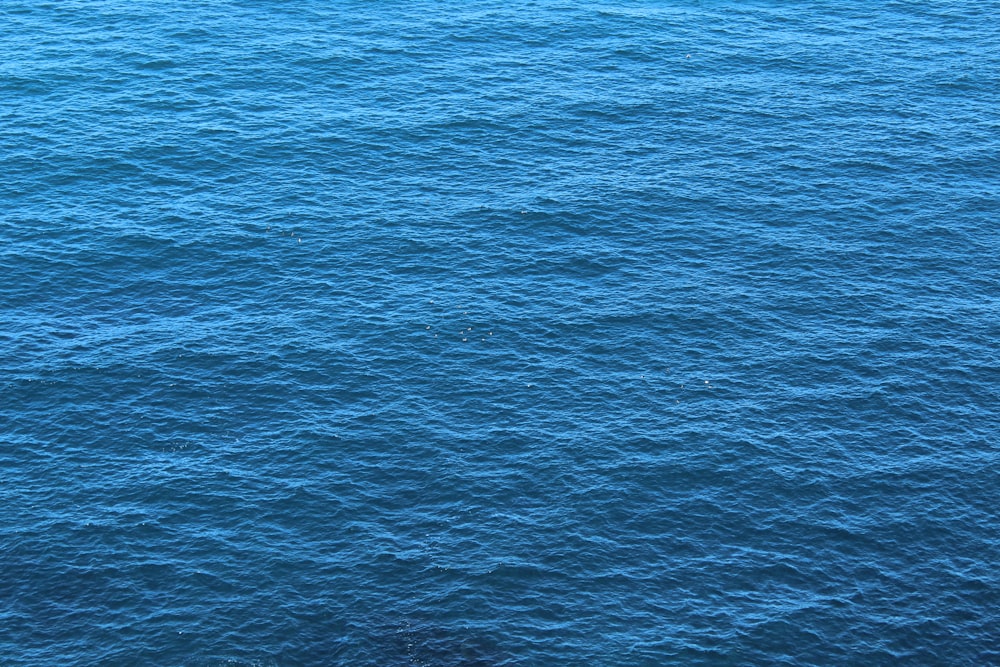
x,y
479,334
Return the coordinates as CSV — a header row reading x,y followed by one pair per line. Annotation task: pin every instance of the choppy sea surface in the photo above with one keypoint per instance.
x,y
478,333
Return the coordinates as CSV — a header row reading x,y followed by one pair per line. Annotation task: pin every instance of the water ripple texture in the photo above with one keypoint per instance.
x,y
491,334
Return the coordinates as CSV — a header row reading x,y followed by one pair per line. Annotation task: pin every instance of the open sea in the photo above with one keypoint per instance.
x,y
470,333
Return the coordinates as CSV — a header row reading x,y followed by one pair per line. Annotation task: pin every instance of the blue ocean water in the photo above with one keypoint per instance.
x,y
477,333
